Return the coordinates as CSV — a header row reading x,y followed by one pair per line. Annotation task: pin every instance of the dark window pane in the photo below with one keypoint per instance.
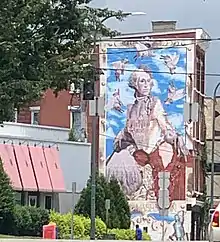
x,y
48,202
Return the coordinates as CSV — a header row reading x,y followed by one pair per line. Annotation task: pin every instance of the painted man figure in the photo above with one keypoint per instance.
x,y
148,141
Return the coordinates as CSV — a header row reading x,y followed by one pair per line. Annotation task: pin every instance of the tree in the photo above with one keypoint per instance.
x,y
119,214
44,44
7,202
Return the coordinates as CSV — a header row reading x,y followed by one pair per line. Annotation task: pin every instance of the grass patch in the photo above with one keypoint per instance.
x,y
5,236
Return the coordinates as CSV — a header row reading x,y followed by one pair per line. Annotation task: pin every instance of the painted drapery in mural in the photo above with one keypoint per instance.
x,y
145,132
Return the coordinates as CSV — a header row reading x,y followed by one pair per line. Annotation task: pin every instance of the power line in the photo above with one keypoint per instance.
x,y
139,51
159,72
196,41
131,39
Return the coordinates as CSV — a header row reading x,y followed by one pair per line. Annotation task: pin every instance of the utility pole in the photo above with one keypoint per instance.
x,y
213,147
107,207
73,207
96,108
213,156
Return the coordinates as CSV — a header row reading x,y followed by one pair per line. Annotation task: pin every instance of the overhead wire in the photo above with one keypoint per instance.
x,y
158,72
155,48
194,41
161,39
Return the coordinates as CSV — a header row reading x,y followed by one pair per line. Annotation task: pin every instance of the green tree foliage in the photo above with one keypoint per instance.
x,y
119,214
7,201
44,44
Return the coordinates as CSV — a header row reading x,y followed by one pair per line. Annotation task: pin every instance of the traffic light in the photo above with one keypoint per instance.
x,y
88,90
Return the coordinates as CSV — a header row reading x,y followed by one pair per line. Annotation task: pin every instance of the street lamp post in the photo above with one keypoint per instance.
x,y
213,146
94,133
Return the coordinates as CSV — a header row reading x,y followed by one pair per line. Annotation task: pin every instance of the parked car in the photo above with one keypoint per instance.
x,y
214,225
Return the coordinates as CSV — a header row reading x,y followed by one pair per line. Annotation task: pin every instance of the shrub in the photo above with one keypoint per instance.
x,y
63,222
86,223
81,225
127,234
100,228
29,221
146,236
39,217
81,228
22,220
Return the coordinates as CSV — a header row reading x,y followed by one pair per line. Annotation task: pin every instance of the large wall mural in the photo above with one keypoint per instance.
x,y
145,134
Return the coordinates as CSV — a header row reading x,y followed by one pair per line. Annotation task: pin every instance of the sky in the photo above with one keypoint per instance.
x,y
187,13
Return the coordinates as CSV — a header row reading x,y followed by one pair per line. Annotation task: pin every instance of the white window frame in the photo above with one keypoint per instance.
x,y
34,110
29,200
15,115
75,109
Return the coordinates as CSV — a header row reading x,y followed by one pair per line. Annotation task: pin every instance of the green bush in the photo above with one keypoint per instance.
x,y
81,228
100,228
127,234
63,222
146,236
22,220
29,221
39,217
81,225
86,223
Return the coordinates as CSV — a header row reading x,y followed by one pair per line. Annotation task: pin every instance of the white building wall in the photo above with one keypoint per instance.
x,y
74,156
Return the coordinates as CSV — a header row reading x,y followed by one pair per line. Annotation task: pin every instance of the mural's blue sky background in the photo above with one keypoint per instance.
x,y
116,120
188,13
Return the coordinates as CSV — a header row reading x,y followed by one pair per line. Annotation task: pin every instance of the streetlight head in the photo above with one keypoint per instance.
x,y
137,13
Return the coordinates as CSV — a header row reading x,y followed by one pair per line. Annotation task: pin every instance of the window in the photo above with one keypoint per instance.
x,y
15,115
32,201
48,202
35,115
75,121
18,197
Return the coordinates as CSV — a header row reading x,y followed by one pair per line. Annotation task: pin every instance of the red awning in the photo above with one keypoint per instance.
x,y
25,168
40,169
54,169
10,165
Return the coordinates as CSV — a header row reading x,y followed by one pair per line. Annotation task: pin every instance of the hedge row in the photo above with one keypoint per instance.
x,y
29,221
81,228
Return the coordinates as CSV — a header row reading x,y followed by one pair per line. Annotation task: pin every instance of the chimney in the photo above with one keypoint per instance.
x,y
163,26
